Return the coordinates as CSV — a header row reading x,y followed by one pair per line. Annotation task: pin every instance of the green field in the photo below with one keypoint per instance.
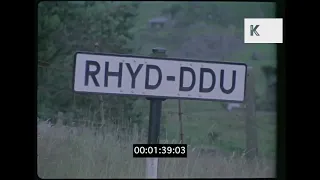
x,y
202,117
65,28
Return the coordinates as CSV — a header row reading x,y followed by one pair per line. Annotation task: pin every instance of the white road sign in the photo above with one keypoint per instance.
x,y
159,77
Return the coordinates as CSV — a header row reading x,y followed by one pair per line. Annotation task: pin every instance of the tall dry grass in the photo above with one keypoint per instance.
x,y
81,154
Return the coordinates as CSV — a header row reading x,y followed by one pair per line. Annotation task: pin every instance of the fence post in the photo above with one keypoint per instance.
x,y
180,121
251,131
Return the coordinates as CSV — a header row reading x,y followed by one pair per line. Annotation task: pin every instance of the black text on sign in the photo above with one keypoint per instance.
x,y
168,78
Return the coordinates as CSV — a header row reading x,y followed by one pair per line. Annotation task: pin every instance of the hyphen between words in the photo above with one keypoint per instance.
x,y
159,77
134,73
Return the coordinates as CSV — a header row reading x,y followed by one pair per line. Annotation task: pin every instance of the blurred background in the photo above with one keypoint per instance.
x,y
199,30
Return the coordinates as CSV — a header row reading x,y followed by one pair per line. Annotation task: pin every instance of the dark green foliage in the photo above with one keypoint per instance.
x,y
220,13
268,71
66,27
270,75
173,10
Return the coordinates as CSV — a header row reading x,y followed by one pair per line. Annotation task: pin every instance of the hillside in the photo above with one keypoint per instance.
x,y
195,30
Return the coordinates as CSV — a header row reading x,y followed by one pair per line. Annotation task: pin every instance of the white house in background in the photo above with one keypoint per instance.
x,y
231,106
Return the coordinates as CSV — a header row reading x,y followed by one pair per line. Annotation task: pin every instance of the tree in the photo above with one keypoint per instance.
x,y
65,27
222,13
172,10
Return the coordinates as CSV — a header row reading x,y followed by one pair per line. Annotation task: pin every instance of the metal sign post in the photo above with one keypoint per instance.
x,y
158,78
154,123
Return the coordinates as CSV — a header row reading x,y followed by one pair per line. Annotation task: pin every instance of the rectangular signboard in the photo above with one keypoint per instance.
x,y
159,77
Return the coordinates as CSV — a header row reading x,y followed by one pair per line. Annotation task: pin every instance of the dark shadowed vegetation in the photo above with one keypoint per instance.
x,y
106,125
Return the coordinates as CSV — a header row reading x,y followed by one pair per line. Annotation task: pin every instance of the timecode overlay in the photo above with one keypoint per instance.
x,y
160,150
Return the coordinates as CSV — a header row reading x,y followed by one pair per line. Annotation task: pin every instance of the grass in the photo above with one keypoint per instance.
x,y
65,155
62,155
230,128
202,117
